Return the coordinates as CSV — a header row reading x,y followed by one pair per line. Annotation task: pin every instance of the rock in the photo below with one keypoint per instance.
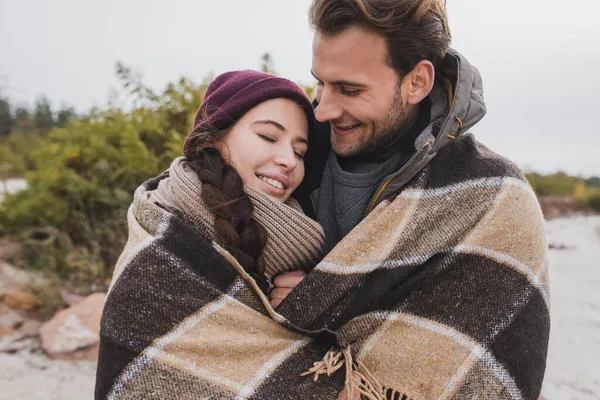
x,y
19,299
70,298
12,277
74,333
10,249
30,328
6,330
9,322
555,246
24,337
20,341
15,279
87,354
16,344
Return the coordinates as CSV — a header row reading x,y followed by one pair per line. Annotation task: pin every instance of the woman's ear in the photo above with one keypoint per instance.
x,y
223,148
418,83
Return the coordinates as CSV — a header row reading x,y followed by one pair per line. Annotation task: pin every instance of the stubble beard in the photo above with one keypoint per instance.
x,y
383,132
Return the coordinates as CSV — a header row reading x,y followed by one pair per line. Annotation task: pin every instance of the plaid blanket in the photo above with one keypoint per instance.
x,y
441,292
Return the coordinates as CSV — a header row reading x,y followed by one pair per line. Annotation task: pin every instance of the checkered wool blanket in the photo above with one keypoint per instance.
x,y
441,292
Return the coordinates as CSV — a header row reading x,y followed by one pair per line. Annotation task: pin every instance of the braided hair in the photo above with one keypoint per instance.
x,y
223,193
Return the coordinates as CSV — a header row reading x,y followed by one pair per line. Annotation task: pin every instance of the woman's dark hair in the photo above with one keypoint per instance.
x,y
223,194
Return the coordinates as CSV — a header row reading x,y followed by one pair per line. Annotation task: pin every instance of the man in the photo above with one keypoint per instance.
x,y
434,278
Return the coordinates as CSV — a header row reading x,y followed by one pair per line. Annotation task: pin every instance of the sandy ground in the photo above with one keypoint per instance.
x,y
573,361
573,369
35,377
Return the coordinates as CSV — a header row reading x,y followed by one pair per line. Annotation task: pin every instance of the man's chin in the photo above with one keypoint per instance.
x,y
345,148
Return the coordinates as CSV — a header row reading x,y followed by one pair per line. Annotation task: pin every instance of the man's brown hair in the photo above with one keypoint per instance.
x,y
414,30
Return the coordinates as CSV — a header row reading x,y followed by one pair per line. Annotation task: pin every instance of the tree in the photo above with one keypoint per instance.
x,y
22,114
594,181
266,65
22,120
42,115
64,115
6,118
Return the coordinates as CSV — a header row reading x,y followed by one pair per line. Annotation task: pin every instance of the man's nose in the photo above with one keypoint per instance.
x,y
328,109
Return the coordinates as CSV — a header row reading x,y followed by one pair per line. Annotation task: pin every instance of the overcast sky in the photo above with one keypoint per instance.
x,y
540,63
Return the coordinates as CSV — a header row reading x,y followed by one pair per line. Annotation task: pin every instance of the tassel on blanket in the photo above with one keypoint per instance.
x,y
334,359
331,362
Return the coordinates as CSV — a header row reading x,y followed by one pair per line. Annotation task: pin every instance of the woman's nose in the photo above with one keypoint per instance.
x,y
286,158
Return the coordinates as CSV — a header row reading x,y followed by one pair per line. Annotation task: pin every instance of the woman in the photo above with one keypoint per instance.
x,y
188,297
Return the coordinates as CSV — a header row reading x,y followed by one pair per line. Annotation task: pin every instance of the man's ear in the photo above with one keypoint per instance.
x,y
417,84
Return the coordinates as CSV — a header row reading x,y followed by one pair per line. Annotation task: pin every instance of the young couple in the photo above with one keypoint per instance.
x,y
371,248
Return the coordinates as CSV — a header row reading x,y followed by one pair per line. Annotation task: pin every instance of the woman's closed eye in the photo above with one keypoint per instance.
x,y
267,138
299,153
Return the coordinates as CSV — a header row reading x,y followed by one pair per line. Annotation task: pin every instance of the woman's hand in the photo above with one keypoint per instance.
x,y
283,285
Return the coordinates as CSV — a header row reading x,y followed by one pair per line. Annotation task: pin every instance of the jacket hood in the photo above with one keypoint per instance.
x,y
456,105
457,100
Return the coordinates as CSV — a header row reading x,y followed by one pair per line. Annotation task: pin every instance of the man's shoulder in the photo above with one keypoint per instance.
x,y
466,159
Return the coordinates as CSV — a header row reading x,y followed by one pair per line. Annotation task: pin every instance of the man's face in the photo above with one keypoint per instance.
x,y
358,92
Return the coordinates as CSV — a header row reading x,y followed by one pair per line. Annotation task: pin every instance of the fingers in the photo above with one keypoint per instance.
x,y
283,285
279,293
275,302
289,279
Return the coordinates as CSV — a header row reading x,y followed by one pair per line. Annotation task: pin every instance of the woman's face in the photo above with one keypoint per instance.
x,y
267,146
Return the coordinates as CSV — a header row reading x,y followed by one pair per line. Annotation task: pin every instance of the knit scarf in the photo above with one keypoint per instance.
x,y
294,241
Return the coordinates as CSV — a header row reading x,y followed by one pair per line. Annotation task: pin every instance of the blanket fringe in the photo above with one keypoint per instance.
x,y
357,375
331,362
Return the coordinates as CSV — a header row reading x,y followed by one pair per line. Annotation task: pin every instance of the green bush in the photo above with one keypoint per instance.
x,y
81,174
558,184
16,153
585,192
594,181
72,216
593,200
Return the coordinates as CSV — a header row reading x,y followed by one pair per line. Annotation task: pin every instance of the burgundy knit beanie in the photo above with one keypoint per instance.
x,y
232,94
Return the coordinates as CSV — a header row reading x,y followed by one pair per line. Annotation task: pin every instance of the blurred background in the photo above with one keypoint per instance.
x,y
95,97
